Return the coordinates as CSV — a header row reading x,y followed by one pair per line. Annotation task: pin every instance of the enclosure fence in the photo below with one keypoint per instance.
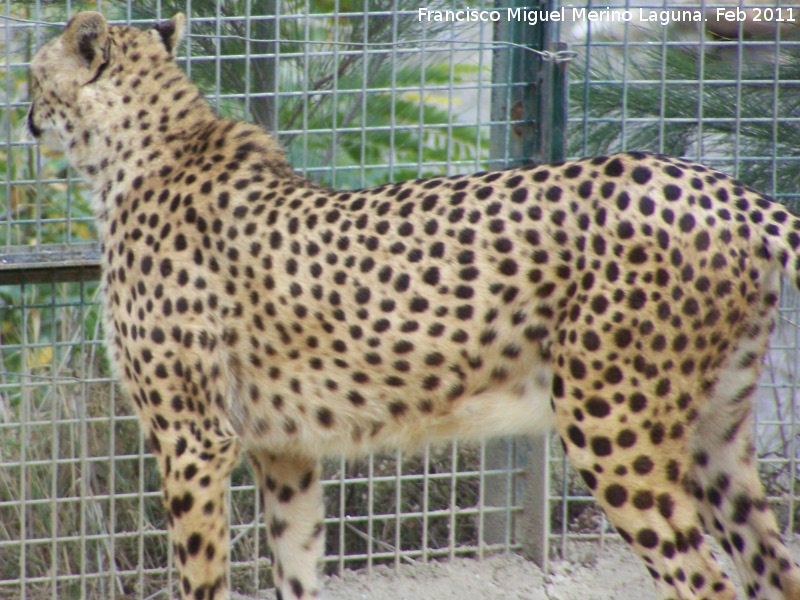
x,y
359,92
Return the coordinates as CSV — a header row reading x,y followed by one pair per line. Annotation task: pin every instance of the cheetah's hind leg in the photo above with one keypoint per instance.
x,y
630,455
724,479
291,493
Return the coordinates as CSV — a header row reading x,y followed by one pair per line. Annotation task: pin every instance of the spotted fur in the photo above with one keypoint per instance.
x,y
626,300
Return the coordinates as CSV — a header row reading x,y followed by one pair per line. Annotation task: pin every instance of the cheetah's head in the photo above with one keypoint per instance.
x,y
76,76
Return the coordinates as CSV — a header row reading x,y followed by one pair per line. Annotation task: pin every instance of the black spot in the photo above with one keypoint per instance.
x,y
519,195
643,464
672,192
325,417
612,375
625,230
507,267
576,436
193,543
687,223
362,295
637,402
665,505
597,407
297,587
647,538
599,305
577,368
641,174
541,175
402,282
626,438
431,276
469,273
418,304
601,446
616,495
702,241
758,564
484,192
464,312
285,494
553,193
355,398
558,387
657,433
591,341
742,506
637,299
646,206
623,338
614,168
637,255
397,408
589,479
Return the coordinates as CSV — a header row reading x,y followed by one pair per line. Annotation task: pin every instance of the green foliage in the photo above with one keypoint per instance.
x,y
347,105
668,98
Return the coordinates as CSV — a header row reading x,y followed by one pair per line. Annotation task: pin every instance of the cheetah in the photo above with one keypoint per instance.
x,y
625,300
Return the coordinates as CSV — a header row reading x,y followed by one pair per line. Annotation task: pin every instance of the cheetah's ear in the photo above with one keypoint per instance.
x,y
86,38
172,32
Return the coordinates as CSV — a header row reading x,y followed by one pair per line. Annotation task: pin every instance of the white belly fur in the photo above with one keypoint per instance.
x,y
518,408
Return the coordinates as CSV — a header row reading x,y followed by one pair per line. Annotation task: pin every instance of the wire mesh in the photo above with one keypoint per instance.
x,y
79,502
359,94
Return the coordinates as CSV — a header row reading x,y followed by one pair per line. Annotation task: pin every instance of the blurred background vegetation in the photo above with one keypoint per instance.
x,y
737,107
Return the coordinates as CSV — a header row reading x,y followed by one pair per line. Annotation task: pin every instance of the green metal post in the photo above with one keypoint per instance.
x,y
529,104
529,115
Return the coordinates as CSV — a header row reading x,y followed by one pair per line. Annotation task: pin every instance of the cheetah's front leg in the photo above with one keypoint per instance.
x,y
195,461
293,509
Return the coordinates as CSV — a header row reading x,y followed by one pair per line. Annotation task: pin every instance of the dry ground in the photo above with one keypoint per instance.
x,y
610,573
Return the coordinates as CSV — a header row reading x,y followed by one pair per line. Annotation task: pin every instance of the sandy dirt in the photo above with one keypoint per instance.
x,y
610,573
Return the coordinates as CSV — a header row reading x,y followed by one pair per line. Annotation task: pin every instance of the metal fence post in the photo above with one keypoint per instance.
x,y
529,105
